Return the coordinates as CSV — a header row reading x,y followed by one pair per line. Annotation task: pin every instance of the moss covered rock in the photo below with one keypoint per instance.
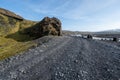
x,y
48,26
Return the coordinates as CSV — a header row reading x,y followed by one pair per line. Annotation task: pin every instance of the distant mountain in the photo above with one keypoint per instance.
x,y
69,33
113,31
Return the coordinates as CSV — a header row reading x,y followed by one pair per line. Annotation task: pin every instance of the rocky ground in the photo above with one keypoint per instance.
x,y
64,58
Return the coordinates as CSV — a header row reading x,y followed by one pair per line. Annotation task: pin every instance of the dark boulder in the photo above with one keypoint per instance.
x,y
115,39
89,36
48,26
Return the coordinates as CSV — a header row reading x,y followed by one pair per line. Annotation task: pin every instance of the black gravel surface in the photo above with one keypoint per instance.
x,y
64,58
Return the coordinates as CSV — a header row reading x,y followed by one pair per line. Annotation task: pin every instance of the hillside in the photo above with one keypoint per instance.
x,y
10,14
69,33
17,34
113,31
11,23
11,40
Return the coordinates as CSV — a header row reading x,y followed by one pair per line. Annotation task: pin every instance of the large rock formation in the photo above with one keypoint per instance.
x,y
48,26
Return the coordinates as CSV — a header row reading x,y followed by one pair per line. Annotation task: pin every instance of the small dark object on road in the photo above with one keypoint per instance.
x,y
89,36
115,39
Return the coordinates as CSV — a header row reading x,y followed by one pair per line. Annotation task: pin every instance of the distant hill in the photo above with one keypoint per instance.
x,y
11,22
69,33
113,31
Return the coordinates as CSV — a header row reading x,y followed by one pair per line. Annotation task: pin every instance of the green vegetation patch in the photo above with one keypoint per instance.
x,y
12,39
10,47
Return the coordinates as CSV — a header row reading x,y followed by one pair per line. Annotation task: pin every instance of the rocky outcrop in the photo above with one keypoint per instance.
x,y
11,23
48,26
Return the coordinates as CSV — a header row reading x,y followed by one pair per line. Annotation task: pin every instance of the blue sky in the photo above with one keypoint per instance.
x,y
76,15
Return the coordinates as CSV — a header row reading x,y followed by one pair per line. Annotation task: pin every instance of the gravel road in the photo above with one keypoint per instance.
x,y
64,58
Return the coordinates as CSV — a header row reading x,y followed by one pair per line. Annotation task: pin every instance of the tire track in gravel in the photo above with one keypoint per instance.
x,y
106,61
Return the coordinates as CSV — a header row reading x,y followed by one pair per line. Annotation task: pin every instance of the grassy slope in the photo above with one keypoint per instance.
x,y
10,25
12,41
10,47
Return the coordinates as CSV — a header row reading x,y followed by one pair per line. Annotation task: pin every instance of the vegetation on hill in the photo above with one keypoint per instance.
x,y
10,14
17,33
9,25
10,47
11,39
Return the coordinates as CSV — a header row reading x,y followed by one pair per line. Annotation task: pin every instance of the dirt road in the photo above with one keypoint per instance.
x,y
64,58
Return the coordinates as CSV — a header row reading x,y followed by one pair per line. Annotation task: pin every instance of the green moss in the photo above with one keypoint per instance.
x,y
3,19
10,25
10,47
12,41
20,37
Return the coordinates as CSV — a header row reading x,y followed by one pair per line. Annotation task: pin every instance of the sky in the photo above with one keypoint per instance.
x,y
75,15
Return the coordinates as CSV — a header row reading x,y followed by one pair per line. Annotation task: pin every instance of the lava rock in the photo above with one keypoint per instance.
x,y
48,26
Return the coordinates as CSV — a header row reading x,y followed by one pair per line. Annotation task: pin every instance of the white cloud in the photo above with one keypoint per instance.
x,y
87,7
95,14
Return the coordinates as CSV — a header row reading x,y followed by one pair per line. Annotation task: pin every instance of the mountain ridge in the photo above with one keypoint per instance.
x,y
112,31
